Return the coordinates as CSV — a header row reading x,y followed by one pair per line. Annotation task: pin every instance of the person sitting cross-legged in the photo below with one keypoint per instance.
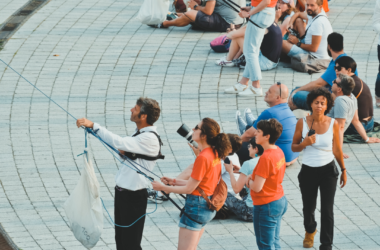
x,y
243,208
276,97
270,51
312,38
298,96
347,66
345,109
214,16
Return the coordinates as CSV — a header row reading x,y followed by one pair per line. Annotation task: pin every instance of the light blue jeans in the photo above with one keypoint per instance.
x,y
252,42
267,223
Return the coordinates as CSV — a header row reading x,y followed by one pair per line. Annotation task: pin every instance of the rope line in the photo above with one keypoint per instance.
x,y
108,147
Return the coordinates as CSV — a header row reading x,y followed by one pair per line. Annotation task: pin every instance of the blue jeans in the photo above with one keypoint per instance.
x,y
267,223
300,98
368,126
252,42
377,86
196,207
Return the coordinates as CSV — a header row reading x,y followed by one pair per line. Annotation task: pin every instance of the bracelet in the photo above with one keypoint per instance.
x,y
367,140
343,169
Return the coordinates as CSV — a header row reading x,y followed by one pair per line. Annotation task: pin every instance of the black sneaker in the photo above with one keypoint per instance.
x,y
158,26
154,197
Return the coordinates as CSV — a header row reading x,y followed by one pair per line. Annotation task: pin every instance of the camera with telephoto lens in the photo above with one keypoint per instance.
x,y
293,32
186,132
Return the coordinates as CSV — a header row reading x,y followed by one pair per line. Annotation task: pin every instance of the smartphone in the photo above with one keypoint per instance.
x,y
227,160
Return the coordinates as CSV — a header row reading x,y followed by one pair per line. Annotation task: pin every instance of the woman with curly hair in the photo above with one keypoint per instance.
x,y
318,136
206,174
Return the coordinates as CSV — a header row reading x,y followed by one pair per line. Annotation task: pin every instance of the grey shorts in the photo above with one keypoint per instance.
x,y
213,22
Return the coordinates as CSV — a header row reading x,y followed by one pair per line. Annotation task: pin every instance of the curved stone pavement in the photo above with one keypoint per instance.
x,y
104,60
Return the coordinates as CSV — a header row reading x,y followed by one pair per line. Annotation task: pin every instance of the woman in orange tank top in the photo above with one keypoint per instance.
x,y
205,174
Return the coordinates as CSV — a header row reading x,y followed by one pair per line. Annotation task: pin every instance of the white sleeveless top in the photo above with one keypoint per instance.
x,y
320,153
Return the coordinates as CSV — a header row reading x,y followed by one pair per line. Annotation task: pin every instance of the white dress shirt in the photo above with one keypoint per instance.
x,y
145,143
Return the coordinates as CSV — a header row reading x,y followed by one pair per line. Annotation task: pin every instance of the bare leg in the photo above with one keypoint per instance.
x,y
182,20
234,49
238,54
185,175
188,239
286,47
244,80
239,41
199,238
300,26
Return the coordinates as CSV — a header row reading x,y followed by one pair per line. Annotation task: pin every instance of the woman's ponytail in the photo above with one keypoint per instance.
x,y
218,141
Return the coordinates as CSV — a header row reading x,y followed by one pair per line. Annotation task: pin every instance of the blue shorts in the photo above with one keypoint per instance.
x,y
295,50
196,208
300,99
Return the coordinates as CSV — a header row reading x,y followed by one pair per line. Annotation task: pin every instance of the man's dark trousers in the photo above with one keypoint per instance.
x,y
129,206
325,178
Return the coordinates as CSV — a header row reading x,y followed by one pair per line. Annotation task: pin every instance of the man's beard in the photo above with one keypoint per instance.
x,y
328,52
312,13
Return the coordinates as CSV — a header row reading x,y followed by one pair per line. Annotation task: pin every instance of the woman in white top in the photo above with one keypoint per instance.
x,y
318,167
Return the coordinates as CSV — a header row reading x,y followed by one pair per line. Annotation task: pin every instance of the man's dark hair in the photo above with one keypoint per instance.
x,y
347,63
260,149
335,40
315,93
270,127
150,108
235,141
347,84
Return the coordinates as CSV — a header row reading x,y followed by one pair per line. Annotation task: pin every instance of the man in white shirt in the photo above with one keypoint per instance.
x,y
376,27
144,148
312,39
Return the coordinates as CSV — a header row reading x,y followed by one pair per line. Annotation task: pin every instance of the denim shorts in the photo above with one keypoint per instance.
x,y
300,99
265,63
196,208
295,50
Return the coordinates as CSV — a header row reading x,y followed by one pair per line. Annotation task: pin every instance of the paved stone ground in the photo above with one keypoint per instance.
x,y
8,7
106,59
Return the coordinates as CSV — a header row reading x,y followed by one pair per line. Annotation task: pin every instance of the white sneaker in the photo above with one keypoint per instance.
x,y
251,92
224,63
237,88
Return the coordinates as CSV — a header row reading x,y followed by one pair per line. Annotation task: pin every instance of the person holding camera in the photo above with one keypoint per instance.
x,y
318,136
131,188
204,179
243,208
265,184
312,38
262,14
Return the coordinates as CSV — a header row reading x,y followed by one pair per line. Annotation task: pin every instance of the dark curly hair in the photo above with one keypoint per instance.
x,y
150,108
320,92
270,127
219,142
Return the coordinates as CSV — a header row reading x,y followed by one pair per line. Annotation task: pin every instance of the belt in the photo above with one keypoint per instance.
x,y
366,120
126,190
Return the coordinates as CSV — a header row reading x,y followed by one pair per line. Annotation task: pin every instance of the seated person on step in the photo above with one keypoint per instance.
x,y
214,16
276,97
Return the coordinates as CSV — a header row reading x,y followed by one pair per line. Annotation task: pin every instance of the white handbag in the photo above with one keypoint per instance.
x,y
153,11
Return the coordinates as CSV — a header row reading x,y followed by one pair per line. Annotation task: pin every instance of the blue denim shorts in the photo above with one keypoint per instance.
x,y
265,63
300,99
196,208
295,50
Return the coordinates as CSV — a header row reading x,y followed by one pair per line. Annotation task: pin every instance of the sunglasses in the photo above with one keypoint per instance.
x,y
279,84
338,68
197,127
335,82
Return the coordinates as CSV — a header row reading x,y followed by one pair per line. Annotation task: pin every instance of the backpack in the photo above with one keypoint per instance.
x,y
307,63
221,44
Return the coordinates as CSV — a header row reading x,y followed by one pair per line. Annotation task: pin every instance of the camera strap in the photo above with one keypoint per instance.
x,y
134,156
310,25
229,5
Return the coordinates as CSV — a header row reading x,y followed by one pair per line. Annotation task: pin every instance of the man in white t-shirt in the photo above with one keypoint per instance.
x,y
312,34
